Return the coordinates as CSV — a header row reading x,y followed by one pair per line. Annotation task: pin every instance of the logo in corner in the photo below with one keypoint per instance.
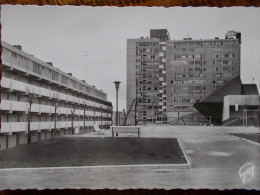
x,y
246,172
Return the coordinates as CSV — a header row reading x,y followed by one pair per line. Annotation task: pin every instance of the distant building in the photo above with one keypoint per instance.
x,y
232,104
166,77
146,76
60,103
122,119
195,68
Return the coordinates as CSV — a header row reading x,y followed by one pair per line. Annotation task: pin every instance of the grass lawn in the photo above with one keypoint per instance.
x,y
80,151
255,137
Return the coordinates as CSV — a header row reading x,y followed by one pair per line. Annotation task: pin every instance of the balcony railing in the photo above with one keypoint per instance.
x,y
11,62
10,127
22,87
15,106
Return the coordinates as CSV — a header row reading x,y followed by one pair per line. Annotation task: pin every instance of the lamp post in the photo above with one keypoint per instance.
x,y
117,83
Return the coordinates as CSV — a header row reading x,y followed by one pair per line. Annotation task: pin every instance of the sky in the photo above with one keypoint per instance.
x,y
62,34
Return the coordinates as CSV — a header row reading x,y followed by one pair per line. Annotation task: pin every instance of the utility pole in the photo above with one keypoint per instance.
x,y
85,66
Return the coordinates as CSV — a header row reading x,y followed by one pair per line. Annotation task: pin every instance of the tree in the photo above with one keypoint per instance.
x,y
55,103
84,107
31,99
72,118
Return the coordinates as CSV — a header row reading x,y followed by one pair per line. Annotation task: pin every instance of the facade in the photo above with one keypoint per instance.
x,y
39,101
146,76
121,119
167,77
196,68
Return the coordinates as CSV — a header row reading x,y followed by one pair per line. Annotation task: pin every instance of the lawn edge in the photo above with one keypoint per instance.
x,y
248,140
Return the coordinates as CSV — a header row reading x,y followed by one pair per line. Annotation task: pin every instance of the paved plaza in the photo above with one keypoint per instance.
x,y
215,157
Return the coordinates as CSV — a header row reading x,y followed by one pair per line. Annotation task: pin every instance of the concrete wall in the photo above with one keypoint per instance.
x,y
22,138
173,116
48,134
11,141
225,114
243,101
3,142
131,72
34,137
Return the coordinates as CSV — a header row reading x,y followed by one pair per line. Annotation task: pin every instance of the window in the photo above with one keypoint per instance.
x,y
64,79
225,61
197,56
225,68
14,54
54,76
37,68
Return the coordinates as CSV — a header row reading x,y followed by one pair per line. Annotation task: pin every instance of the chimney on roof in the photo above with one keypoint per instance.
x,y
69,74
50,63
18,46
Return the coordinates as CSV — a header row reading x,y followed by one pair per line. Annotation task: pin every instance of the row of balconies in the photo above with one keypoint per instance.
x,y
11,63
10,127
14,85
15,106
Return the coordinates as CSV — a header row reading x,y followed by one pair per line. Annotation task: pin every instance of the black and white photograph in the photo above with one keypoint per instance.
x,y
130,98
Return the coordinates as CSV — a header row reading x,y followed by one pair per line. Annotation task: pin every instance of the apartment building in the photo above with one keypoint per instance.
x,y
196,68
166,77
146,76
39,101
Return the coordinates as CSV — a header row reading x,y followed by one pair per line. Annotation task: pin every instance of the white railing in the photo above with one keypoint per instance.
x,y
64,111
5,105
5,127
34,126
45,92
23,87
11,62
10,105
9,127
36,108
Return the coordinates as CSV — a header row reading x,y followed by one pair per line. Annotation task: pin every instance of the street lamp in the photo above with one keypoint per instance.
x,y
117,83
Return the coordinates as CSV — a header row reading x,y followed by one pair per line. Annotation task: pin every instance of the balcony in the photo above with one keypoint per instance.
x,y
9,105
6,83
45,92
18,106
6,105
18,86
8,61
9,127
45,109
64,111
